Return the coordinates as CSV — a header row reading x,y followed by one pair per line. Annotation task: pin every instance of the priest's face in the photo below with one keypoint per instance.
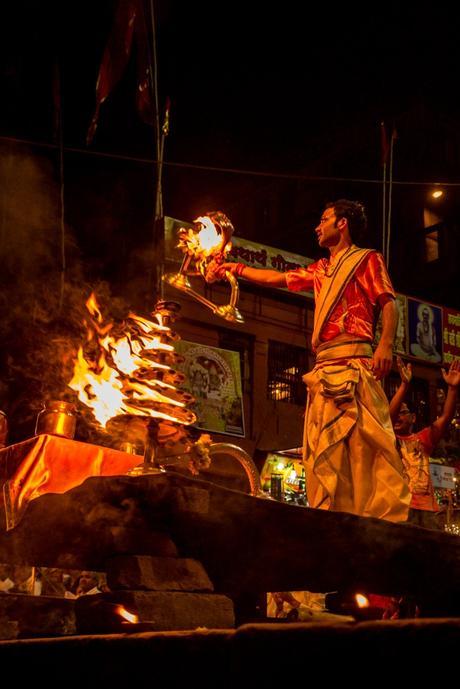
x,y
327,232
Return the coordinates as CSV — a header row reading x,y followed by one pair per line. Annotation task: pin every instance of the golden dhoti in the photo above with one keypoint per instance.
x,y
350,456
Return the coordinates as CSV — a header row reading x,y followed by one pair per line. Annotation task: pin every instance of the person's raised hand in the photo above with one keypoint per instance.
x,y
405,370
452,376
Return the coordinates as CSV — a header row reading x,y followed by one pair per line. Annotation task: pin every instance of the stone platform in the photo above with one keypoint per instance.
x,y
254,655
246,544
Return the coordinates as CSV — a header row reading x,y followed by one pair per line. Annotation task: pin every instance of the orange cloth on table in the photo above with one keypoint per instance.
x,y
355,312
50,464
415,451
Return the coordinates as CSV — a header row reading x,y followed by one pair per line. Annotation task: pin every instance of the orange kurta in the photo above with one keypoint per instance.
x,y
364,294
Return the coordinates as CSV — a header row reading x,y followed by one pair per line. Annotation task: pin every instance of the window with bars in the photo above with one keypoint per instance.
x,y
286,366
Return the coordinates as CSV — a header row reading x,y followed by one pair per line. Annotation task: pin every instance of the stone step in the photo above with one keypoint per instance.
x,y
141,572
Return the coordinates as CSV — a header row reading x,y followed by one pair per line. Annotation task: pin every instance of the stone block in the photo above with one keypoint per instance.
x,y
130,540
8,630
162,610
191,499
157,574
35,616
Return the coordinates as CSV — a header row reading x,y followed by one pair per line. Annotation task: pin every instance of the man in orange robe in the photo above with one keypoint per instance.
x,y
350,454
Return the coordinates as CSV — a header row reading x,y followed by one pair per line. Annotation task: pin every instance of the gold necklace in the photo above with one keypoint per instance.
x,y
332,264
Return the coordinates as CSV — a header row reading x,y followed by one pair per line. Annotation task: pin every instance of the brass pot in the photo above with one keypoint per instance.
x,y
57,418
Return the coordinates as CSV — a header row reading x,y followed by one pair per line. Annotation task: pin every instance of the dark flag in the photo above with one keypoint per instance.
x,y
129,25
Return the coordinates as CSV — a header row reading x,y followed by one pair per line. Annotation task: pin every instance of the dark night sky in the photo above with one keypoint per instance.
x,y
294,93
292,90
251,87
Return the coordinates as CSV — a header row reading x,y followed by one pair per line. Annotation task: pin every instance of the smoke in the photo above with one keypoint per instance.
x,y
41,315
27,217
108,243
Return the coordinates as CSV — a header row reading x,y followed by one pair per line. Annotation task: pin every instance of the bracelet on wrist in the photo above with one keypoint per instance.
x,y
239,269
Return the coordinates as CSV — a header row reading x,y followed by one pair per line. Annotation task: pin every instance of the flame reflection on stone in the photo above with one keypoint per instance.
x,y
361,600
126,615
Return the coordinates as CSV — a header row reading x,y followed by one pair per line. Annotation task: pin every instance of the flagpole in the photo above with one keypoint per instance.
x,y
154,80
384,212
158,219
384,154
59,134
159,144
390,195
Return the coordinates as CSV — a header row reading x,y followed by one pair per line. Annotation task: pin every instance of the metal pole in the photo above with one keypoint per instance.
x,y
390,193
384,212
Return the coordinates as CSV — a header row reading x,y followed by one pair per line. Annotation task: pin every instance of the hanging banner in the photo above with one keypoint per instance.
x,y
262,256
213,377
425,331
450,335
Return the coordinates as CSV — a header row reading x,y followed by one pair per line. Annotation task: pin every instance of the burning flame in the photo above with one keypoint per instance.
x,y
208,237
361,600
92,306
201,244
131,374
128,616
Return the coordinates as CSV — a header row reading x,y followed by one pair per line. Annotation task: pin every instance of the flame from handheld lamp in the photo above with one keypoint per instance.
x,y
207,247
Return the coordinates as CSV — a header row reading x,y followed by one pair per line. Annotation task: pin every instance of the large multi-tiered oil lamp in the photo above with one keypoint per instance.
x,y
131,375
